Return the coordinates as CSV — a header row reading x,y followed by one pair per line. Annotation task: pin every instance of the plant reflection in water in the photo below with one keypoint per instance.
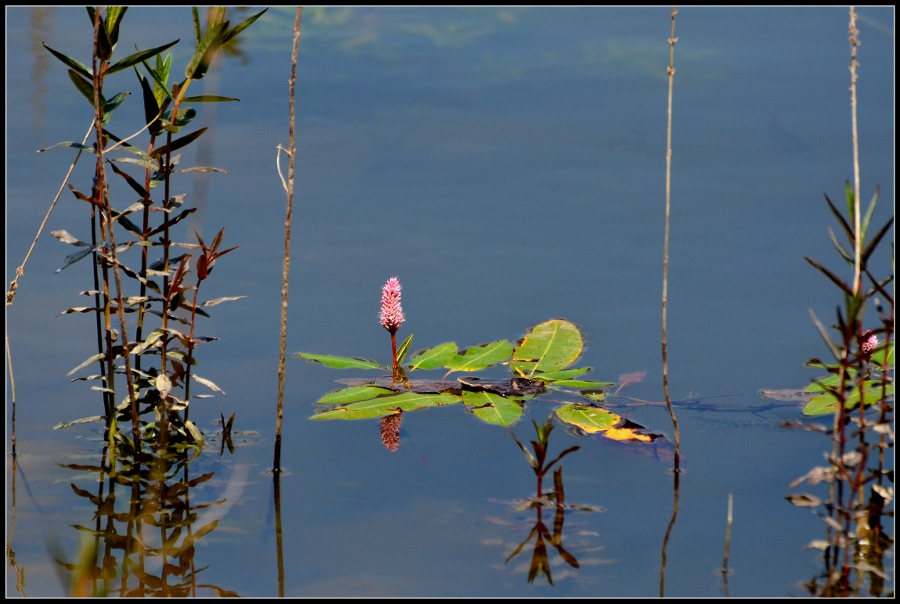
x,y
141,539
553,498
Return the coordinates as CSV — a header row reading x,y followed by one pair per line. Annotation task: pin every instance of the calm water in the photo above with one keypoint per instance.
x,y
508,165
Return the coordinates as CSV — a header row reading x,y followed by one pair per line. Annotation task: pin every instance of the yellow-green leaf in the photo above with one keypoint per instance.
x,y
551,346
589,418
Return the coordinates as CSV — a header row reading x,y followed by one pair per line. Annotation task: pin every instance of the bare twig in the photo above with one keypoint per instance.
x,y
854,43
671,72
287,247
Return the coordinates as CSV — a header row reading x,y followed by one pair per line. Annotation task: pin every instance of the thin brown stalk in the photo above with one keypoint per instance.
x,y
104,197
854,43
671,72
289,186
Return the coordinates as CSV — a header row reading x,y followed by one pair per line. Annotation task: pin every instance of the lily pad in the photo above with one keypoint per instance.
x,y
551,346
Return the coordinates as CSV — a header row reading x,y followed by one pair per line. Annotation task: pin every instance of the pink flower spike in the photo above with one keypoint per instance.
x,y
391,315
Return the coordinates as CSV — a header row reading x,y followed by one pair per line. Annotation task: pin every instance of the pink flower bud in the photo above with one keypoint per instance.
x,y
867,343
391,315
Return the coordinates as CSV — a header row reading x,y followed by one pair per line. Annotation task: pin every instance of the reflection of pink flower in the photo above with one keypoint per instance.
x,y
391,315
867,343
390,431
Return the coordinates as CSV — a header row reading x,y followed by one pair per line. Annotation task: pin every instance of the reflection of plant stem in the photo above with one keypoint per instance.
x,y
662,573
278,534
724,570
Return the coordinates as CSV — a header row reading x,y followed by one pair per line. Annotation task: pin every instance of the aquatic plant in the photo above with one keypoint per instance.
x,y
858,392
155,350
540,362
168,288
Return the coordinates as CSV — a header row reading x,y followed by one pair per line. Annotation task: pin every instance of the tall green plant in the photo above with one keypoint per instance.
x,y
166,291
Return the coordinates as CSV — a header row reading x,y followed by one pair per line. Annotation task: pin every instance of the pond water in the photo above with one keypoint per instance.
x,y
509,166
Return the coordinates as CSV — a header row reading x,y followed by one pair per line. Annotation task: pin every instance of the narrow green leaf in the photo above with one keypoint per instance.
x,y
354,394
593,384
206,49
72,144
231,33
151,105
551,346
135,185
111,105
172,221
85,87
104,44
477,358
870,247
70,62
73,258
867,217
841,220
492,408
561,375
434,357
832,347
339,362
177,143
844,253
208,98
137,57
379,407
851,198
114,15
834,278
404,348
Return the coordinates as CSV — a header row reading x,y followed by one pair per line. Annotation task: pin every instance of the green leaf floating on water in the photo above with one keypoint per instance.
x,y
387,405
565,374
354,394
434,357
551,346
477,358
592,384
493,408
826,402
588,418
340,362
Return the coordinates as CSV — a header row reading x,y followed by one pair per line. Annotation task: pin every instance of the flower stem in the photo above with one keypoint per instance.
x,y
394,351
